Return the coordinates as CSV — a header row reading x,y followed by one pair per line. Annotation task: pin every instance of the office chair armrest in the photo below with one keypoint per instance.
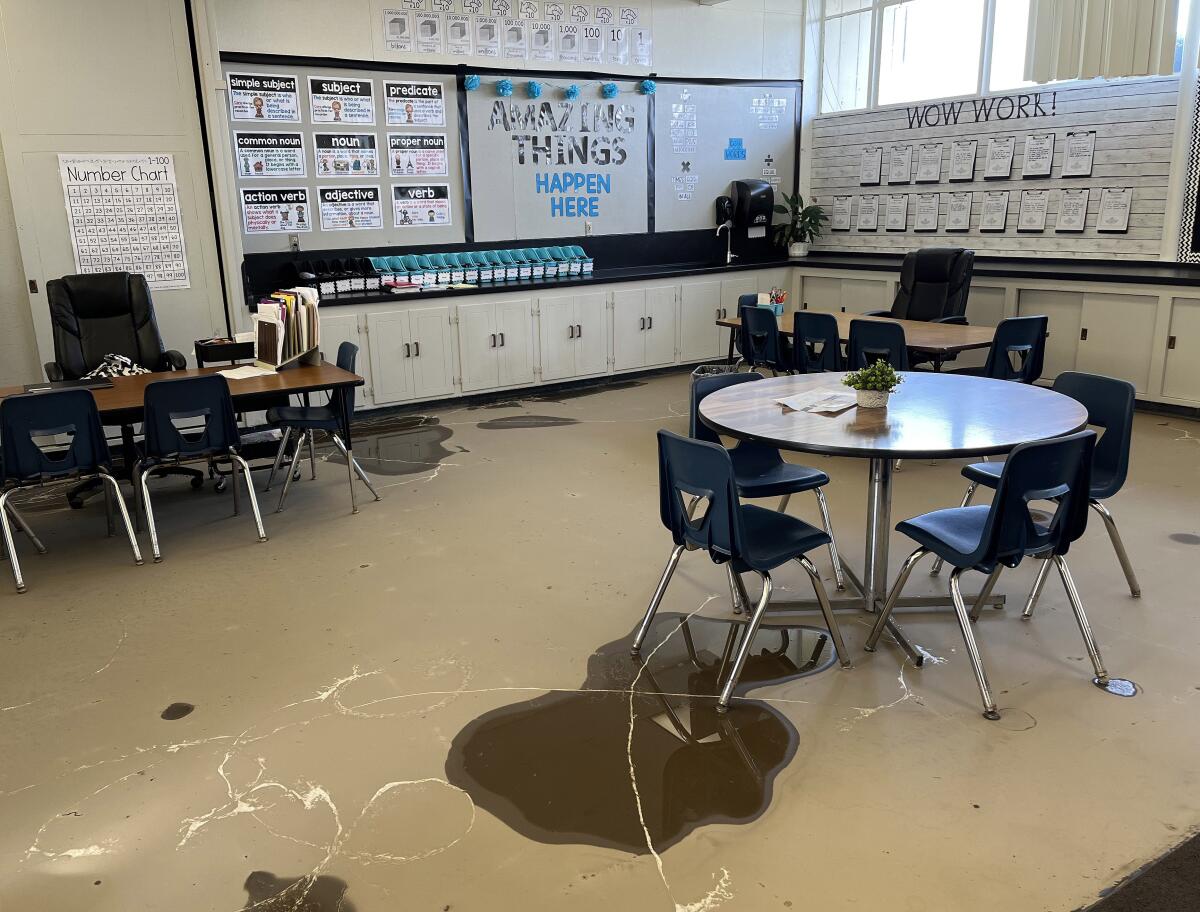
x,y
175,360
53,370
878,313
957,320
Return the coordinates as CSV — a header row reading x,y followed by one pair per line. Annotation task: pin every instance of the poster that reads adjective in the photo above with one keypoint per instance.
x,y
459,36
275,210
428,27
333,99
417,155
420,205
350,208
269,154
264,96
515,45
541,41
415,104
346,155
570,41
487,36
398,30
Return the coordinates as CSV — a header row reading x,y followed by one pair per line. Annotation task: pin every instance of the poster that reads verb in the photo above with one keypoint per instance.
x,y
418,104
269,154
333,99
264,96
350,208
346,154
417,155
275,210
420,205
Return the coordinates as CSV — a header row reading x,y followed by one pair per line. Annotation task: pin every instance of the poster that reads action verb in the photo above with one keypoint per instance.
x,y
420,205
346,154
335,100
264,96
417,155
350,208
275,210
419,104
269,154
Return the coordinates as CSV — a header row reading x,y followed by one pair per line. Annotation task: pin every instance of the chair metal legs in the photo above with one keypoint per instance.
x,y
1085,629
149,511
1036,592
656,600
235,461
735,589
358,470
279,454
826,609
312,454
24,527
291,472
1110,524
985,592
833,551
9,546
964,624
743,654
966,502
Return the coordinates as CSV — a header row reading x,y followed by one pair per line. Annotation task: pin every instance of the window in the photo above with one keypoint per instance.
x,y
846,43
929,49
1010,31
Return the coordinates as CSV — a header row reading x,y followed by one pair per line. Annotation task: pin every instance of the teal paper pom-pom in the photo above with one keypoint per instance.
x,y
609,90
648,87
471,83
571,92
504,88
534,89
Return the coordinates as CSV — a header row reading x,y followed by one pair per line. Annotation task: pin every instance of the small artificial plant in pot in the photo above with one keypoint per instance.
x,y
874,384
803,224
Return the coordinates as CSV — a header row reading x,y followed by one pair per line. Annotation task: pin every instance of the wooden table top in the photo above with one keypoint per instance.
x,y
127,393
931,338
931,415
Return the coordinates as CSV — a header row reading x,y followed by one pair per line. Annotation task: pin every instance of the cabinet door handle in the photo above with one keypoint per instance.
x,y
578,330
571,331
407,352
417,347
493,340
650,323
1170,343
718,313
1083,334
643,326
502,340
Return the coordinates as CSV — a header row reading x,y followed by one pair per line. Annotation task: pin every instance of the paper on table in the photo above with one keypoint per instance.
x,y
821,401
245,372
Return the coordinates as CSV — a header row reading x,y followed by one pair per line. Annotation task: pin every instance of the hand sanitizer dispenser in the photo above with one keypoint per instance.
x,y
753,203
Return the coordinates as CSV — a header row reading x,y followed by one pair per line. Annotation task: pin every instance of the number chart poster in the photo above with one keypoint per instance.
x,y
123,210
555,167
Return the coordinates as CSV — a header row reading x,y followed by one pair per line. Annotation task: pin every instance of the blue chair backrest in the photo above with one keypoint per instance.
x,y
759,336
1018,350
189,400
876,340
1058,469
62,412
1109,404
699,469
816,345
342,398
706,386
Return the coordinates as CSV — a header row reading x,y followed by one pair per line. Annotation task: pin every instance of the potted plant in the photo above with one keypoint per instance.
x,y
803,224
874,384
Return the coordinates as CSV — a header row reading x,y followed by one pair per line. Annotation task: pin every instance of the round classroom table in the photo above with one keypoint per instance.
x,y
930,416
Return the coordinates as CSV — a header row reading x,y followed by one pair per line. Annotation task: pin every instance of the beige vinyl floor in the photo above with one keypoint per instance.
x,y
430,705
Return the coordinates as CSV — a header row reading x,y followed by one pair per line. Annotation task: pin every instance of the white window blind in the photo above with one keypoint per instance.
x,y
1083,39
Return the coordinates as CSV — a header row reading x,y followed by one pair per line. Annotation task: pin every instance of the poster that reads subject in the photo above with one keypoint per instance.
x,y
264,96
420,205
350,208
269,154
417,155
275,210
333,99
415,104
346,154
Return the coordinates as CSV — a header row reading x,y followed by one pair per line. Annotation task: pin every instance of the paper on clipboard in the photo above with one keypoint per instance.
x,y
820,402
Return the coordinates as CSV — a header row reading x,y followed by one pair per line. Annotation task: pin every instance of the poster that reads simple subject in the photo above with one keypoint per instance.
x,y
415,104
350,208
269,154
841,213
275,210
264,96
398,30
459,36
420,205
123,211
336,100
541,41
417,155
346,155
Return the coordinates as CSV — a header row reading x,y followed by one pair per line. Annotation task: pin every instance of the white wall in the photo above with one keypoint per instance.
x,y
18,351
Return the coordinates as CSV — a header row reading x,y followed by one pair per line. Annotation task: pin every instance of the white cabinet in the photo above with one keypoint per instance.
x,y
1116,337
701,304
644,327
1065,310
496,343
411,354
847,295
1181,375
345,328
573,335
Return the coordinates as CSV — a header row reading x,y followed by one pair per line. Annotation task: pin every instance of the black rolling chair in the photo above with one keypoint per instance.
x,y
816,345
25,422
172,408
759,340
934,285
1018,351
876,340
304,420
100,314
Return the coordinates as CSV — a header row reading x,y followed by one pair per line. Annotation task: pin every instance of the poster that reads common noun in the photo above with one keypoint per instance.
x,y
420,205
274,210
350,208
269,154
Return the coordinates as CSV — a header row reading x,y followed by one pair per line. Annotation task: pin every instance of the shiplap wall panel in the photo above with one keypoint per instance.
x,y
1134,122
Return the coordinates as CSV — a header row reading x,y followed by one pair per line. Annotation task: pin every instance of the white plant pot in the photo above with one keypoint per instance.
x,y
872,398
798,249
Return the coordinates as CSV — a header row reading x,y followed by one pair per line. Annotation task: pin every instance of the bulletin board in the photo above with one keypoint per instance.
x,y
707,136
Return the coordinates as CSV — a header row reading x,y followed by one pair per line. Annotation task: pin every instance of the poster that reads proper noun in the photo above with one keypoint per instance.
x,y
336,100
269,154
417,155
415,104
350,208
282,209
264,96
420,205
346,154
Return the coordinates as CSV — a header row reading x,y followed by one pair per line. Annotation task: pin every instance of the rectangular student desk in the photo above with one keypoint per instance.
x,y
936,339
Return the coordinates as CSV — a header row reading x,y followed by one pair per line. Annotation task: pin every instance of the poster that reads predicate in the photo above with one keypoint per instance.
x,y
346,155
264,96
415,104
420,205
276,210
417,155
350,208
269,154
333,99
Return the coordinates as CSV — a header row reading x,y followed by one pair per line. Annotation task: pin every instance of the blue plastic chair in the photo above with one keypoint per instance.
x,y
305,420
27,462
188,420
876,340
1018,351
758,469
759,340
743,537
989,538
816,345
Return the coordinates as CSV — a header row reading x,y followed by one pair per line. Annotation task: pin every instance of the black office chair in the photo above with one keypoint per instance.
x,y
816,346
101,314
876,340
934,284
